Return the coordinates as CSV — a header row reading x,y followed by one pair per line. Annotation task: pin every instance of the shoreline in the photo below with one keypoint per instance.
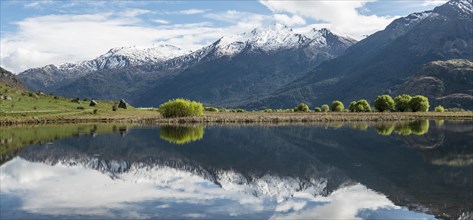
x,y
239,118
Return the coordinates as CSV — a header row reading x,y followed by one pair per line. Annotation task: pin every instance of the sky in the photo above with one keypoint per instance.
x,y
38,33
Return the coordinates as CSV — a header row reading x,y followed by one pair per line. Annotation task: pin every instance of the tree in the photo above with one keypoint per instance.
x,y
317,109
384,103
352,106
401,103
302,108
181,108
325,108
419,103
362,106
439,109
337,106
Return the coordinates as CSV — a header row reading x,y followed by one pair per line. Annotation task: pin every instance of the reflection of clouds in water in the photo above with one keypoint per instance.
x,y
344,203
61,190
167,192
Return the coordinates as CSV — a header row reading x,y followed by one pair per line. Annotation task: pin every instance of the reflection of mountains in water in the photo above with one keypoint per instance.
x,y
149,158
281,160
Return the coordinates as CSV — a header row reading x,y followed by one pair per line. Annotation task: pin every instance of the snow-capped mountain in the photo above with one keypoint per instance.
x,y
385,60
53,76
272,39
246,66
143,69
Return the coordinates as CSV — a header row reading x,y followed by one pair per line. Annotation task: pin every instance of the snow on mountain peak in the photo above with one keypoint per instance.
x,y
125,56
271,38
267,39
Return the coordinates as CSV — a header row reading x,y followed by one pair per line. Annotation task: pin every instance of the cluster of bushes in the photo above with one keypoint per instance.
x,y
402,103
383,103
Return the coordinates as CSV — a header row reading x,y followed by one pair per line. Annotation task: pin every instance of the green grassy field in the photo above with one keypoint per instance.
x,y
27,107
26,103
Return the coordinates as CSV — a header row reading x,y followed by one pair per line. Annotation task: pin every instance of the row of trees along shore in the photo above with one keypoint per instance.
x,y
383,103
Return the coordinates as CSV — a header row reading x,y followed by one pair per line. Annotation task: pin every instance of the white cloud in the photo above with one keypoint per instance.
x,y
161,21
56,39
288,20
191,11
339,16
135,12
37,4
433,2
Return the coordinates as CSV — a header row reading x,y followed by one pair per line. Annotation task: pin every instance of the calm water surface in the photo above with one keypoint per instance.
x,y
417,170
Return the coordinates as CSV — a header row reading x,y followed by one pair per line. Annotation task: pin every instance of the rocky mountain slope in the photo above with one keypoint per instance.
x,y
385,60
8,78
447,83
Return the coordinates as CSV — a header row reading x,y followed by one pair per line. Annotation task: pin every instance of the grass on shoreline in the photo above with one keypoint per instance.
x,y
151,116
27,107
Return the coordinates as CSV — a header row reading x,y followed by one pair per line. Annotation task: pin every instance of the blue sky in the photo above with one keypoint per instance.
x,y
37,33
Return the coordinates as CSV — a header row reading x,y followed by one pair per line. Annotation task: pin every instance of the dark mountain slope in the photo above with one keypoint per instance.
x,y
447,83
383,61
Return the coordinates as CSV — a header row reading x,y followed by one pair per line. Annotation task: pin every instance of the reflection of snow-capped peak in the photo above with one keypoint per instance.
x,y
270,185
279,187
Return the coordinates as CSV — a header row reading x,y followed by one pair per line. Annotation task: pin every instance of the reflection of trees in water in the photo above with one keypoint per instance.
x,y
12,139
181,134
420,127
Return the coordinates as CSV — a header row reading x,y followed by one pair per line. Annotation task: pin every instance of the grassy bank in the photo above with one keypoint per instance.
x,y
26,107
153,117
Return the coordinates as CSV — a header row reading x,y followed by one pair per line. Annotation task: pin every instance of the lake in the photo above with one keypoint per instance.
x,y
414,170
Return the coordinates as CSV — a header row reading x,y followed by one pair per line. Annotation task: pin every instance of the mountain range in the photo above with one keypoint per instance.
x,y
275,67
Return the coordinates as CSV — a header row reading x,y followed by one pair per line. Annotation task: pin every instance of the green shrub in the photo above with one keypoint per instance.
x,y
352,106
362,106
401,103
181,108
439,109
325,108
384,103
419,103
337,106
302,108
238,110
210,109
317,109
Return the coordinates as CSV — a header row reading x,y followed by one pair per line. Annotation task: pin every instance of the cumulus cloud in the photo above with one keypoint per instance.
x,y
339,16
288,20
56,39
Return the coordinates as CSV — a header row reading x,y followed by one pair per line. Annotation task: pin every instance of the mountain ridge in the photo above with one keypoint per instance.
x,y
132,81
383,61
